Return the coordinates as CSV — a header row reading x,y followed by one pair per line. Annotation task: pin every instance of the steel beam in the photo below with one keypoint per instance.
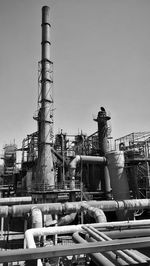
x,y
75,249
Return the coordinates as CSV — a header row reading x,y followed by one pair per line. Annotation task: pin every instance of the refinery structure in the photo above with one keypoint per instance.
x,y
76,199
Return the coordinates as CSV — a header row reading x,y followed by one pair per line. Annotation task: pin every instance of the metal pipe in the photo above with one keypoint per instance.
x,y
110,255
118,252
102,119
70,229
16,200
69,250
125,233
67,219
96,213
36,216
45,171
111,205
31,233
89,159
37,222
98,258
83,158
48,208
72,207
101,237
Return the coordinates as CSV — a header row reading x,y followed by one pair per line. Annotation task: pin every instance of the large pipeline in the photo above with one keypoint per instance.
x,y
15,200
70,229
73,207
37,222
83,158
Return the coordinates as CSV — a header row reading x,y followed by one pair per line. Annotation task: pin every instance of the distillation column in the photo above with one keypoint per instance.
x,y
101,120
45,171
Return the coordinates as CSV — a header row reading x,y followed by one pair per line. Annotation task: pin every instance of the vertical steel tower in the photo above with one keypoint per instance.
x,y
45,171
102,119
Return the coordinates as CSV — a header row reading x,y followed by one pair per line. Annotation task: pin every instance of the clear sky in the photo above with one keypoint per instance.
x,y
101,55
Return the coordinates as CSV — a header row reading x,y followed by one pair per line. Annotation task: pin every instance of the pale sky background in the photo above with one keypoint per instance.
x,y
101,55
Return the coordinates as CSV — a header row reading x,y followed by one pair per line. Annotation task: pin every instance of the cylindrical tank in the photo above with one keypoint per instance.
x,y
118,181
118,177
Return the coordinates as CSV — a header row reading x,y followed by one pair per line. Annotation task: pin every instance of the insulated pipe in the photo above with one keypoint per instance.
x,y
98,258
111,205
36,216
31,233
72,207
37,222
15,200
96,213
48,208
70,229
88,159
45,171
83,158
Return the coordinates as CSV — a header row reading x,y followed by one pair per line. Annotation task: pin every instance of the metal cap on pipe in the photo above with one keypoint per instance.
x,y
45,14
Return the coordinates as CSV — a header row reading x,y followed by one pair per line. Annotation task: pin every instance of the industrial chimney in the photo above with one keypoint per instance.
x,y
45,171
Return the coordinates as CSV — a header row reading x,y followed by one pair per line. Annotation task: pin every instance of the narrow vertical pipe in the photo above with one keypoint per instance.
x,y
2,227
56,236
45,171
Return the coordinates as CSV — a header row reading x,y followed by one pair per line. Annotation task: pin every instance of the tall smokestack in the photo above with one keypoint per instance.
x,y
45,171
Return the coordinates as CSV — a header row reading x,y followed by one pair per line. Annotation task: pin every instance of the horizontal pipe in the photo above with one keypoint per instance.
x,y
111,205
88,159
70,229
69,250
15,200
83,158
59,230
48,208
70,207
125,233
